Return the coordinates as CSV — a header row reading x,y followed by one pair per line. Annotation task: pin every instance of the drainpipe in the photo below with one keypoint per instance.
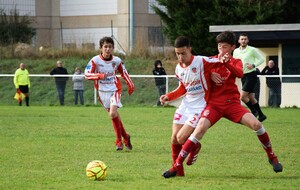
x,y
130,25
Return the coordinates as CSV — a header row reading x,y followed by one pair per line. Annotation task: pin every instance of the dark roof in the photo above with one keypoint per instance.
x,y
267,35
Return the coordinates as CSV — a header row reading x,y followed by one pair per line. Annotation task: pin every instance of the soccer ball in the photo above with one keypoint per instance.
x,y
96,170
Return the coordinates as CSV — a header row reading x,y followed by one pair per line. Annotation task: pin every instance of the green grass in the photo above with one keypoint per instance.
x,y
49,148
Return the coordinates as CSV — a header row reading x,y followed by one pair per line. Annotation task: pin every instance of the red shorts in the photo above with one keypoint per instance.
x,y
232,111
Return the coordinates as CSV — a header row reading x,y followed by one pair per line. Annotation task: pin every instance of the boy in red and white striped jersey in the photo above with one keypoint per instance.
x,y
193,74
102,70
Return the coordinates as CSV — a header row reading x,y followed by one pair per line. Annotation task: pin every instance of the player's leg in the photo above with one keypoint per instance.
x,y
248,87
116,125
250,121
187,130
188,146
175,145
115,103
256,106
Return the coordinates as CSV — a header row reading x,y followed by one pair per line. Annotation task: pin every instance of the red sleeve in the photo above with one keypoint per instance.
x,y
124,74
178,92
90,73
236,67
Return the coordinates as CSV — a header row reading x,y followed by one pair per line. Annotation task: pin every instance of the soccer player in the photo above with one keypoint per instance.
x,y
251,59
102,69
193,74
224,101
22,83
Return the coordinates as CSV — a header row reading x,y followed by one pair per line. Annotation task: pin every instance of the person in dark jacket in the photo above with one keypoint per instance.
x,y
60,82
274,84
160,82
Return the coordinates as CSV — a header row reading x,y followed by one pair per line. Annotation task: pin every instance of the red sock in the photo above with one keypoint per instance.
x,y
265,141
123,132
186,149
176,148
117,128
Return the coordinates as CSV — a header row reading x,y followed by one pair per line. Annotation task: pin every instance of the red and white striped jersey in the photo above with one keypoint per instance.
x,y
194,81
98,65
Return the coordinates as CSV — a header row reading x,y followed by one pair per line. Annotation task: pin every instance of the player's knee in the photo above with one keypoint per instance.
x,y
113,114
174,140
256,125
181,139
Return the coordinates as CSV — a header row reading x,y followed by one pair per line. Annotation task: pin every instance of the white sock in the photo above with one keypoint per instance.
x,y
260,131
193,139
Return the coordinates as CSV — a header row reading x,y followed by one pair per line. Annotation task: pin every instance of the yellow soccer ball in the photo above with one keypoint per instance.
x,y
96,170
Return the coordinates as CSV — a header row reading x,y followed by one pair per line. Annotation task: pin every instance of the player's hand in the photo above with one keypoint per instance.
x,y
101,76
216,77
224,58
19,91
130,89
249,66
163,99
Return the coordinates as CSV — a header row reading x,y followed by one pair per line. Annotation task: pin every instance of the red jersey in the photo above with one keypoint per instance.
x,y
227,91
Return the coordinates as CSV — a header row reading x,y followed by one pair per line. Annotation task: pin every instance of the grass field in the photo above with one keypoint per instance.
x,y
49,148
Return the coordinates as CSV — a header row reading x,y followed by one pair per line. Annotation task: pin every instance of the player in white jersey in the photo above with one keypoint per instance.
x,y
102,69
193,73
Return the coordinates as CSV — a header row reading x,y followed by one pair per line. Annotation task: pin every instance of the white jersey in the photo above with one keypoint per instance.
x,y
108,67
196,80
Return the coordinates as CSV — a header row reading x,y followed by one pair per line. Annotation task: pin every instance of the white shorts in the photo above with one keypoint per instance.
x,y
184,114
110,98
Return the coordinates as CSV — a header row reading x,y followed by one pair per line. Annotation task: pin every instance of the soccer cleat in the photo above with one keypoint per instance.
x,y
128,143
262,118
193,155
277,167
119,145
170,173
174,171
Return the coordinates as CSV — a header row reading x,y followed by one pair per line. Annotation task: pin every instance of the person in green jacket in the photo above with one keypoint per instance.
x,y
251,59
22,82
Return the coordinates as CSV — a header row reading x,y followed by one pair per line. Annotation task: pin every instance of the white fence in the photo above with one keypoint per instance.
x,y
145,93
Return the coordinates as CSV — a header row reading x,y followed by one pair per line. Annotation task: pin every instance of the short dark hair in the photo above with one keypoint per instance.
x,y
107,40
226,37
243,34
182,41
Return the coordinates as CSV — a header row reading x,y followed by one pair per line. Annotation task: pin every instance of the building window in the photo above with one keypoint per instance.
x,y
24,7
155,36
290,62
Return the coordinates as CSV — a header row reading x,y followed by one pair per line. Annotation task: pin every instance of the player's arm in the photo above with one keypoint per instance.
x,y
91,73
124,74
177,93
258,58
235,66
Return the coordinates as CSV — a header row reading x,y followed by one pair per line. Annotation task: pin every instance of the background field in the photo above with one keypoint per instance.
x,y
49,148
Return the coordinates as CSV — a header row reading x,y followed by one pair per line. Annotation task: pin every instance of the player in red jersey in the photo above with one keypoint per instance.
x,y
224,101
193,74
102,69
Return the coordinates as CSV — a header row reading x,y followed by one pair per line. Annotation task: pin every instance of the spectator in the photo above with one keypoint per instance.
x,y
78,86
60,82
273,83
160,82
22,83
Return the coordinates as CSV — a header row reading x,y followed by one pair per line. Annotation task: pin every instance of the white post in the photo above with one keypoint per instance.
x,y
167,85
95,96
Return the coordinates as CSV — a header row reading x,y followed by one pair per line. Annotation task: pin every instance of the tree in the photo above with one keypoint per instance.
x,y
192,18
15,28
